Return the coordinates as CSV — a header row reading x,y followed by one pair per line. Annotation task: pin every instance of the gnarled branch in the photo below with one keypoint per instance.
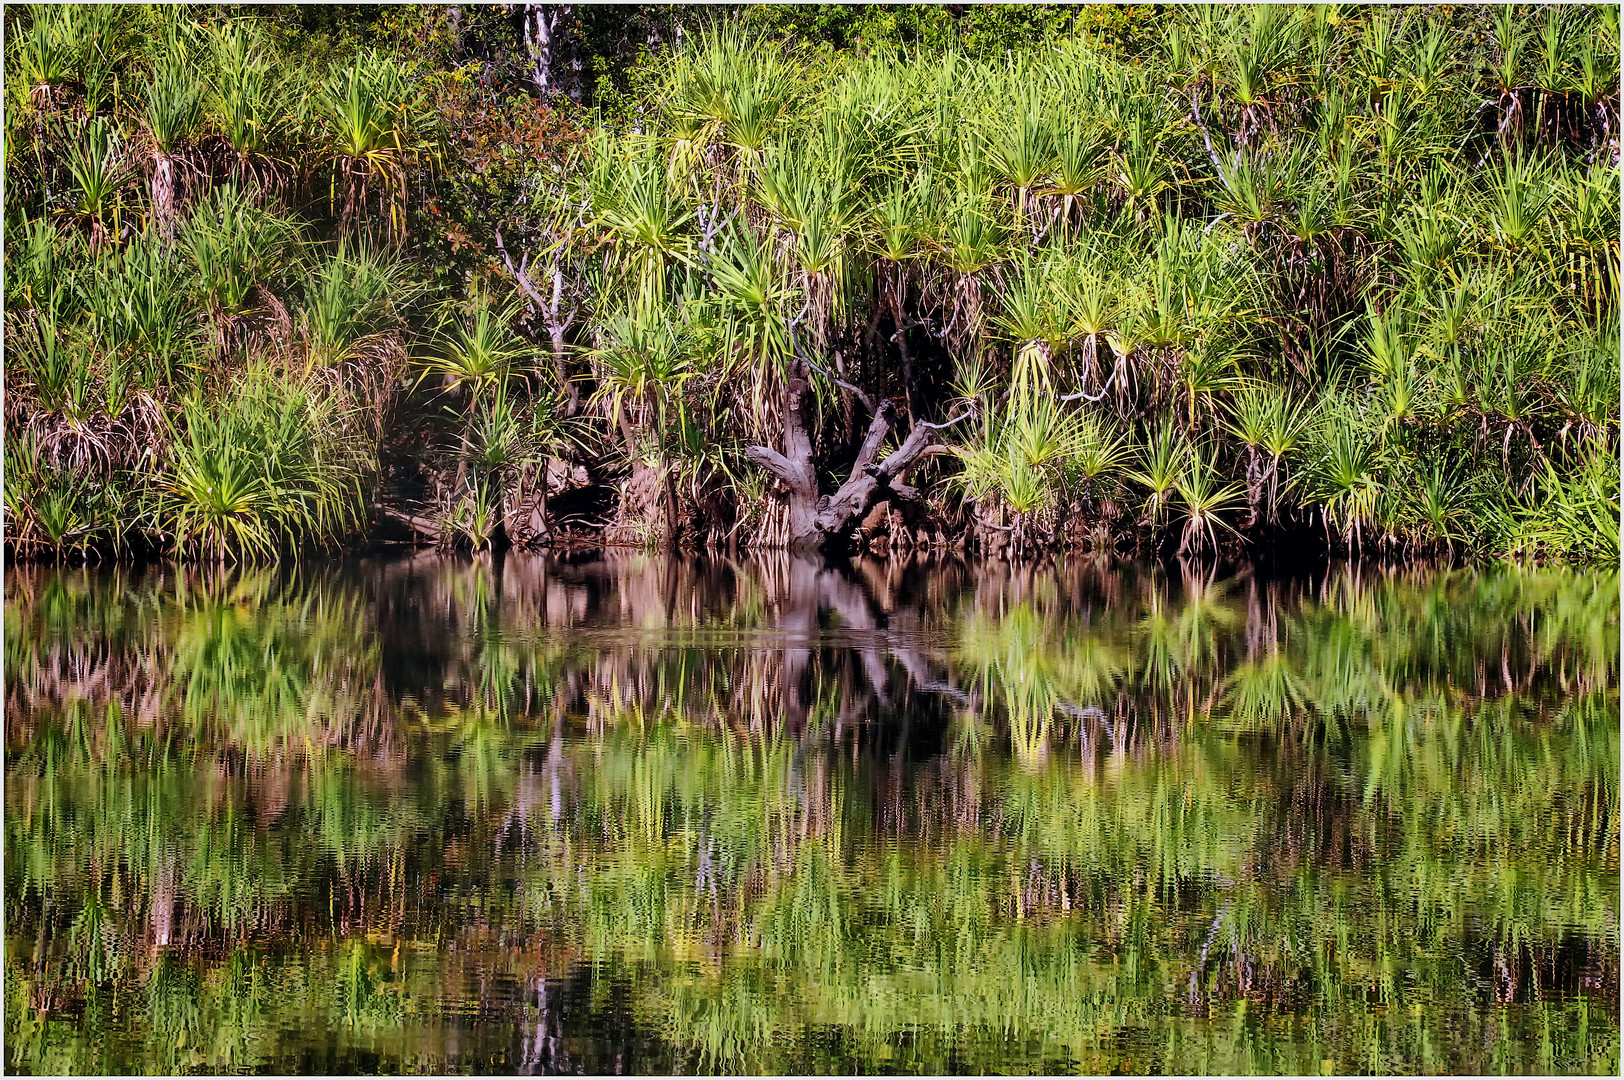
x,y
774,462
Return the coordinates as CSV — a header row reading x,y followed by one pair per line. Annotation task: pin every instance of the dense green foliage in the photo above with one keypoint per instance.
x,y
1183,277
259,821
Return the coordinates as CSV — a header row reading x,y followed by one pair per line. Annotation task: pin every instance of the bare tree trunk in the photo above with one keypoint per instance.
x,y
538,510
816,519
558,318
557,325
540,26
794,466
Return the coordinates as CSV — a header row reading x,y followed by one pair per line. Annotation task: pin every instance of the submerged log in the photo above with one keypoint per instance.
x,y
816,519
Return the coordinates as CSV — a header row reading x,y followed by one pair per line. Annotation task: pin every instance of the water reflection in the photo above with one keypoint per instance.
x,y
629,814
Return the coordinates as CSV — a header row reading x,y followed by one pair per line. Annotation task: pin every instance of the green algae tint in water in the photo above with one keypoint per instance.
x,y
632,815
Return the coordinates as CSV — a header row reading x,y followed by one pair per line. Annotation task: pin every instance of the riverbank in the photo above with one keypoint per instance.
x,y
1012,281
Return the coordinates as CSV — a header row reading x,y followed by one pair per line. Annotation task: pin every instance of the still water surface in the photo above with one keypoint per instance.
x,y
627,814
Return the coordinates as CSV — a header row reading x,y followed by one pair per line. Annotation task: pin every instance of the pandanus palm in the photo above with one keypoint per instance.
x,y
1030,319
755,296
477,352
1255,58
1391,358
1440,501
1257,184
1584,247
244,105
1101,452
1080,161
1510,39
740,203
99,165
643,219
143,312
1205,498
895,229
1139,172
1379,56
1204,373
644,363
254,468
820,258
364,106
496,444
48,52
1430,61
100,29
1022,151
1022,453
877,119
727,92
173,113
1269,425
813,207
1520,194
1346,480
784,184
896,218
1595,78
973,241
754,109
350,303
48,509
1587,403
1162,463
237,247
1091,313
1428,236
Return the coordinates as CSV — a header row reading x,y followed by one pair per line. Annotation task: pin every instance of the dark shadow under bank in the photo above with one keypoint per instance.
x,y
1284,551
1287,547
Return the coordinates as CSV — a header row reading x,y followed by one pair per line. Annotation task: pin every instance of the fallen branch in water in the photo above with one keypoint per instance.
x,y
411,521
